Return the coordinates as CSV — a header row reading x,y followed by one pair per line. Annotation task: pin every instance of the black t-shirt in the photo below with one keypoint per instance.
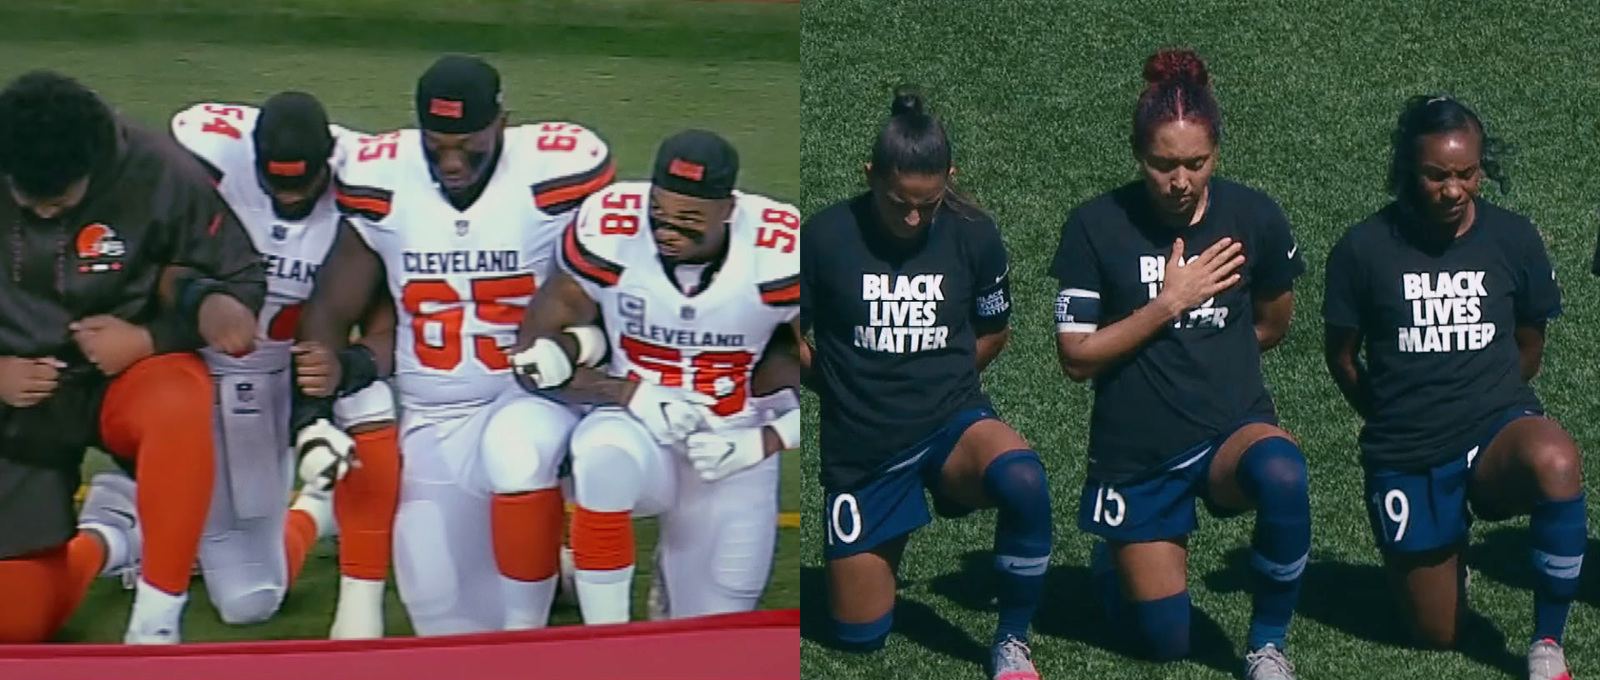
x,y
1200,376
1438,326
896,328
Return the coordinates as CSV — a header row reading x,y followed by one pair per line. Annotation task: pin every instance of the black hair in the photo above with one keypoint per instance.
x,y
1178,88
914,141
53,132
1431,114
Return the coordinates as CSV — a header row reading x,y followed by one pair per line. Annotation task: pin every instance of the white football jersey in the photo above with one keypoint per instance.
x,y
461,278
709,341
292,250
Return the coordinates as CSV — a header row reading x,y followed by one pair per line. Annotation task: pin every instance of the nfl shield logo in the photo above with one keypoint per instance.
x,y
279,232
246,392
687,313
461,227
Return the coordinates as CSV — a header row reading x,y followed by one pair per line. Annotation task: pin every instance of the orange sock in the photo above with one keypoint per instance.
x,y
364,502
298,536
527,533
602,541
41,590
158,414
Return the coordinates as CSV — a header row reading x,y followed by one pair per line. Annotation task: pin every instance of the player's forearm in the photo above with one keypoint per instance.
x,y
1347,375
382,345
561,303
1530,349
1273,315
1085,355
590,386
990,345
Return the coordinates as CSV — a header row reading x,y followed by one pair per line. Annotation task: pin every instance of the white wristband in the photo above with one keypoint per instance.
x,y
591,344
788,428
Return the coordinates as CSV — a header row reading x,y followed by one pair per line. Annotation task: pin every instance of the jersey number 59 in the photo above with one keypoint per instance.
x,y
444,311
722,374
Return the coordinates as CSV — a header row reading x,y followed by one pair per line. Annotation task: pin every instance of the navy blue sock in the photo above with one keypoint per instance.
x,y
1272,472
1560,534
863,637
1164,626
1106,586
1015,481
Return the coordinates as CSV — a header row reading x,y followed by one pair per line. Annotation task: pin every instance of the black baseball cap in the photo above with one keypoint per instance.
x,y
292,140
697,163
458,94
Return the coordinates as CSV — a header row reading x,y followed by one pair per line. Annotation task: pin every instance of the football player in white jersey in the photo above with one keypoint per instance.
x,y
459,221
695,284
272,166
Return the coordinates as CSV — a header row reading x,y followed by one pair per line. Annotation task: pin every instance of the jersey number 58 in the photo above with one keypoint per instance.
x,y
778,229
722,374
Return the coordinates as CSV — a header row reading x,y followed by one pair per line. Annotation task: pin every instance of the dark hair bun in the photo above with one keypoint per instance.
x,y
1176,66
906,102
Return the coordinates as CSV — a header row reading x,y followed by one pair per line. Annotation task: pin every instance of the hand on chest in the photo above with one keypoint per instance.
x,y
1140,279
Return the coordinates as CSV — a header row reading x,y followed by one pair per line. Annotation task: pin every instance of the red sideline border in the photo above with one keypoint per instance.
x,y
755,645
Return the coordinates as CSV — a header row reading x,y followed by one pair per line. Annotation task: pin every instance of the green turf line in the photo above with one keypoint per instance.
x,y
611,28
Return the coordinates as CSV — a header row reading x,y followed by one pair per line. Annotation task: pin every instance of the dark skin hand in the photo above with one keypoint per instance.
x,y
347,290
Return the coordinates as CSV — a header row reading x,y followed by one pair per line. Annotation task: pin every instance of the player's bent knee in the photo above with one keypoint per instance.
x,y
602,439
524,443
1558,467
253,606
1274,465
366,409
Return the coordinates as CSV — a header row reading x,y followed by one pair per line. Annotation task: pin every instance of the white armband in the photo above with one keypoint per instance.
x,y
591,344
788,428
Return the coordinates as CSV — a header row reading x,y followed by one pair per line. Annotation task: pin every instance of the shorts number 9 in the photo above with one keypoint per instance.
x,y
837,519
1398,509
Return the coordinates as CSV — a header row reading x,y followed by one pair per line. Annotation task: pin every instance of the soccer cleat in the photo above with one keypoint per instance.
x,y
1011,660
109,510
1546,661
1268,663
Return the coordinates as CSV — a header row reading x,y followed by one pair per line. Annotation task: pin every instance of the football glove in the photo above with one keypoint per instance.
x,y
718,454
544,363
671,414
326,454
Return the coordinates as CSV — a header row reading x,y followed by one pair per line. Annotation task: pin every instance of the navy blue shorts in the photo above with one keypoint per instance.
x,y
1157,507
1420,511
891,505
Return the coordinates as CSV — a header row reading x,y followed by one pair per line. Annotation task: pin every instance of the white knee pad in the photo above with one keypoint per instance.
x,y
252,606
245,569
371,404
524,443
616,465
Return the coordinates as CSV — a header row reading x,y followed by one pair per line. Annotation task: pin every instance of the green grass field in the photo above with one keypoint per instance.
x,y
634,70
1039,97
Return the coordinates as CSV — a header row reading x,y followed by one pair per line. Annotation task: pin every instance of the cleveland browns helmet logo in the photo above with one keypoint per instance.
x,y
97,243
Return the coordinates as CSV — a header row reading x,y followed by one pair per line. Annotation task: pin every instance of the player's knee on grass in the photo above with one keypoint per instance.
x,y
248,606
524,443
371,406
1163,626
